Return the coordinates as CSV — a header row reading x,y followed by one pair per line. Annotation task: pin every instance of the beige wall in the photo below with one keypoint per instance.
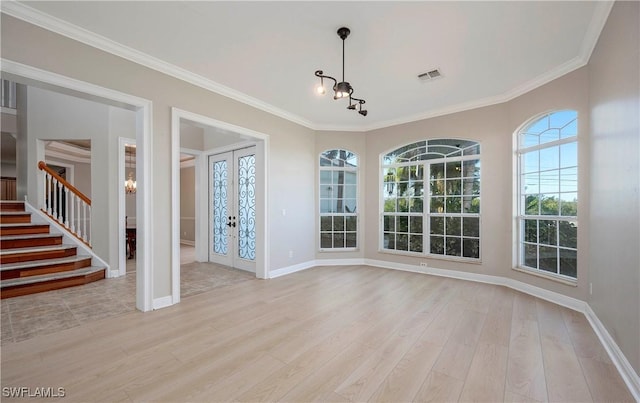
x,y
290,155
47,119
188,204
605,94
614,71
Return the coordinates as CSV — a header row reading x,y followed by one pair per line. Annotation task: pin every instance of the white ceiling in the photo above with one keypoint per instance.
x,y
265,53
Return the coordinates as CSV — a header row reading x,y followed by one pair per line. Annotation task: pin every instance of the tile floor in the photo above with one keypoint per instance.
x,y
22,318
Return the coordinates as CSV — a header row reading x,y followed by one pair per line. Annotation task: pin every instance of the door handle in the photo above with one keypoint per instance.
x,y
230,223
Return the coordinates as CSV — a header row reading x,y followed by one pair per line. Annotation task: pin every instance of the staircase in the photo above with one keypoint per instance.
x,y
33,259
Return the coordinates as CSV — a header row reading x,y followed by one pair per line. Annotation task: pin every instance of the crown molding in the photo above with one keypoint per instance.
x,y
45,21
64,28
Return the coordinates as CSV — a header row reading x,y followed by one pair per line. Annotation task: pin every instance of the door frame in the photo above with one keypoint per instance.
x,y
240,150
262,168
143,108
122,249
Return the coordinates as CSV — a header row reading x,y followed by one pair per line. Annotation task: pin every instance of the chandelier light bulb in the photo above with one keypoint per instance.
x,y
320,89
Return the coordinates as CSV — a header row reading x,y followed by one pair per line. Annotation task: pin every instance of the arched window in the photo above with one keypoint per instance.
x,y
547,224
445,220
338,200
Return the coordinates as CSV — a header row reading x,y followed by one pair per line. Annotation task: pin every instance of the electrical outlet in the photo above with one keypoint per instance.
x,y
423,264
290,254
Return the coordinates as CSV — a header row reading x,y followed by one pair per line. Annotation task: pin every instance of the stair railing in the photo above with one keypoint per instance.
x,y
65,204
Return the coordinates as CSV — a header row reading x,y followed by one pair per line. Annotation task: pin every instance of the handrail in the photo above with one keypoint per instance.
x,y
43,166
65,204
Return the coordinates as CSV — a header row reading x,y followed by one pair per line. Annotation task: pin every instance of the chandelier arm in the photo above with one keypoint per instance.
x,y
319,74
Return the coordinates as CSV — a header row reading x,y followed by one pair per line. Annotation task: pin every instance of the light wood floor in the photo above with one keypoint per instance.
x,y
351,333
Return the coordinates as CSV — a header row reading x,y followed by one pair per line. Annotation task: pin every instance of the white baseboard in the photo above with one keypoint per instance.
x,y
623,365
163,302
292,269
628,374
339,262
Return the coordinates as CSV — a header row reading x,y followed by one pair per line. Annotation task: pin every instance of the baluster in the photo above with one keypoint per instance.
x,y
43,204
47,194
79,212
54,196
72,219
66,207
59,198
84,223
89,230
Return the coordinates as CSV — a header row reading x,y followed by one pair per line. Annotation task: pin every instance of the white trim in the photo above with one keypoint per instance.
x,y
188,163
261,142
293,269
122,210
61,27
228,148
600,17
9,111
175,206
628,374
143,107
68,157
340,262
36,17
162,302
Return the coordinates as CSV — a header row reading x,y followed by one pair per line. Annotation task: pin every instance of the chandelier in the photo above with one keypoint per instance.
x,y
341,89
130,184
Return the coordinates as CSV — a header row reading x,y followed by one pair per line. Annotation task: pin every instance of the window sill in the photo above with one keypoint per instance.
x,y
334,250
549,276
431,256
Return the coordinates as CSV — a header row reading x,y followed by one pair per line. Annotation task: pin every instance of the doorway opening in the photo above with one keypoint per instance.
x,y
208,140
232,208
29,76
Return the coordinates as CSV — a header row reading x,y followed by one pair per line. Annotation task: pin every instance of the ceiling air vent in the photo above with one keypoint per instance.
x,y
430,75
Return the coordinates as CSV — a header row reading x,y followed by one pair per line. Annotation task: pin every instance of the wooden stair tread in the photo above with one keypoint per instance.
x,y
50,277
44,262
21,224
33,257
28,236
34,249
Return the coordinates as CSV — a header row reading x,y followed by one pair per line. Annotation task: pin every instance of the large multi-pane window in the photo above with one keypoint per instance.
x,y
338,200
548,194
431,199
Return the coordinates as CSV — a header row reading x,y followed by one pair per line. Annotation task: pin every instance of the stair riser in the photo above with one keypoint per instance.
x,y
12,206
26,257
44,269
27,230
29,242
15,219
26,289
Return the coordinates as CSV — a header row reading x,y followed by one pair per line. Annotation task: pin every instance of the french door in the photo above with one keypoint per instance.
x,y
232,209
